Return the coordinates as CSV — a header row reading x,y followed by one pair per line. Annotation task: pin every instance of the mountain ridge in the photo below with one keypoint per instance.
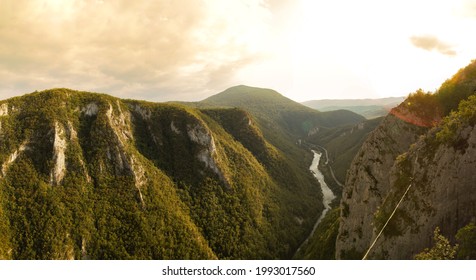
x,y
121,179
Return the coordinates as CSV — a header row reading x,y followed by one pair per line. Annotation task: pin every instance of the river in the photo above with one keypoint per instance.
x,y
327,194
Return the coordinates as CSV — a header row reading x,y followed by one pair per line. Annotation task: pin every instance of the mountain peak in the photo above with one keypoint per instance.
x,y
242,94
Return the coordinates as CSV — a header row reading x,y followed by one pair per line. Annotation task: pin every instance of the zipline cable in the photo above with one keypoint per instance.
x,y
381,231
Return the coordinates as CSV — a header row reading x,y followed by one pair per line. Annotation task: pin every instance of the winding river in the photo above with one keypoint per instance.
x,y
327,194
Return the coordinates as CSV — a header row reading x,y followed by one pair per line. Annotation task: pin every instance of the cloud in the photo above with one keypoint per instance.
x,y
431,43
155,50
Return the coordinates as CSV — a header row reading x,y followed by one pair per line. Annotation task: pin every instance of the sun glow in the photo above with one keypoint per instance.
x,y
305,49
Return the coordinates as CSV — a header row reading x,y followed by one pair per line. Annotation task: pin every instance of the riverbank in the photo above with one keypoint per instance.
x,y
327,194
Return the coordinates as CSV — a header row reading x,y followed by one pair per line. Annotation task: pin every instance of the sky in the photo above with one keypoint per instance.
x,y
187,50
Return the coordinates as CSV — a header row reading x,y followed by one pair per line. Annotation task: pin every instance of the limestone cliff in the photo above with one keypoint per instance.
x,y
425,160
442,194
367,183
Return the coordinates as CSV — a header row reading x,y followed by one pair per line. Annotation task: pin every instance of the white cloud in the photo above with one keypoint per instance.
x,y
430,43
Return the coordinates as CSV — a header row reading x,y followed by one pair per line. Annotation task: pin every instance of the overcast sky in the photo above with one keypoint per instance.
x,y
165,50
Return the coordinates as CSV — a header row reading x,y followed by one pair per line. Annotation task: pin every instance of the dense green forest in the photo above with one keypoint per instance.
x,y
90,176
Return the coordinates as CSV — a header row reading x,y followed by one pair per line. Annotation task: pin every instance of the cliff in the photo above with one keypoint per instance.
x,y
422,158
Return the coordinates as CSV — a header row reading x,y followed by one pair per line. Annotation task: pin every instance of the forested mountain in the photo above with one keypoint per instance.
x,y
274,111
88,175
415,174
284,121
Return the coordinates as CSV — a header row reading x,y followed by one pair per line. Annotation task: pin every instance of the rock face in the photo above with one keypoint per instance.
x,y
438,173
91,109
12,157
4,109
59,159
201,135
442,194
367,183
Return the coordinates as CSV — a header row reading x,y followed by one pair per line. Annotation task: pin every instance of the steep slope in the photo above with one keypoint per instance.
x,y
86,175
440,168
288,126
415,157
282,121
367,183
343,143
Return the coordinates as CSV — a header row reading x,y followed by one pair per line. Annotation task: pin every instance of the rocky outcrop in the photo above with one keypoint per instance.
x,y
59,159
201,135
120,123
4,109
313,131
139,177
174,128
367,183
406,181
442,194
3,112
12,157
90,109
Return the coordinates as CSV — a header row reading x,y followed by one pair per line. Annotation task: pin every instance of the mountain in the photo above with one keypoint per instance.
x,y
90,176
369,108
282,120
414,174
272,108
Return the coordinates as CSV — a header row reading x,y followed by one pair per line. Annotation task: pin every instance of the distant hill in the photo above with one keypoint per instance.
x,y
272,108
369,108
282,120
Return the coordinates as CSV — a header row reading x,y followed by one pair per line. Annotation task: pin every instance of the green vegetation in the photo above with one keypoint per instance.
x,y
143,180
459,87
452,124
343,143
322,245
424,105
466,238
401,219
441,250
282,122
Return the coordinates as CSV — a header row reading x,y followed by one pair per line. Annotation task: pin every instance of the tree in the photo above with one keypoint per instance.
x,y
441,250
466,238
